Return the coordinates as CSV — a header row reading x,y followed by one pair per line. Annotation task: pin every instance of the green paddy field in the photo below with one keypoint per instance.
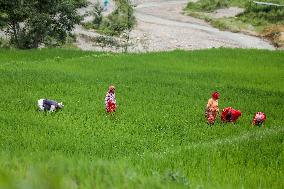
x,y
158,138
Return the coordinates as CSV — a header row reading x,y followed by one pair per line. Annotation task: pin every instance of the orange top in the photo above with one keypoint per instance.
x,y
212,105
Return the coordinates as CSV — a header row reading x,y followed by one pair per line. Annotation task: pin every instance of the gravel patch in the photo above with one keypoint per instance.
x,y
161,26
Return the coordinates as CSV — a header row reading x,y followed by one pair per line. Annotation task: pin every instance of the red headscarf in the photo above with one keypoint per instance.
x,y
215,95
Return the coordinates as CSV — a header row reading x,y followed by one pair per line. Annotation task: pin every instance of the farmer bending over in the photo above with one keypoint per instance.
x,y
258,119
230,115
49,105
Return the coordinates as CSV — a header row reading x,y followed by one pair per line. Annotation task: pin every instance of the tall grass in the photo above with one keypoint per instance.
x,y
253,14
210,5
263,15
263,20
158,138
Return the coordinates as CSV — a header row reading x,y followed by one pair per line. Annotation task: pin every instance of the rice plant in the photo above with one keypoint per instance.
x,y
158,138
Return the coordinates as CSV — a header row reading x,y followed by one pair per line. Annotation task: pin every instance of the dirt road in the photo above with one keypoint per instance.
x,y
162,27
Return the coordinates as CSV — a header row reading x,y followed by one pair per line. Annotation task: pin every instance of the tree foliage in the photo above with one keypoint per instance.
x,y
30,23
120,20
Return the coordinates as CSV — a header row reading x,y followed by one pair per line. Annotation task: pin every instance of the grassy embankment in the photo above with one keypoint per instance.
x,y
158,138
260,20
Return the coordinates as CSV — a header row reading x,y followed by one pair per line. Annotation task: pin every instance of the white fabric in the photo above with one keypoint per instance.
x,y
52,108
40,104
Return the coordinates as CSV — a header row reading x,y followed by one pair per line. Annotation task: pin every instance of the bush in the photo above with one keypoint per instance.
x,y
119,20
98,17
208,5
106,41
262,14
32,23
4,43
88,25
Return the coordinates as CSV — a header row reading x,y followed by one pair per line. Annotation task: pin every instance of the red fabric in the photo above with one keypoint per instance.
x,y
211,117
215,95
258,118
111,107
230,115
225,112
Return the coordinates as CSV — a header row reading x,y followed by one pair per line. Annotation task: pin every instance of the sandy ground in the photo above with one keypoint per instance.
x,y
161,26
166,29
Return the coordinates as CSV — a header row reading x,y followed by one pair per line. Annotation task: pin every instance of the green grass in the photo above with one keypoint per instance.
x,y
254,20
230,24
210,5
158,138
256,15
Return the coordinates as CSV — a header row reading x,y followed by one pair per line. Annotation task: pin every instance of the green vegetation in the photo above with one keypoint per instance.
x,y
158,138
32,23
211,5
120,20
115,27
255,18
4,43
207,5
263,15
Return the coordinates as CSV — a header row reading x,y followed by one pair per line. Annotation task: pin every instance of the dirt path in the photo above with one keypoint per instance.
x,y
166,29
162,27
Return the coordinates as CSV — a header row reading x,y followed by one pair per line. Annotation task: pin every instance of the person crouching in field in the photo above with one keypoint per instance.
x,y
110,101
49,105
212,108
258,119
230,115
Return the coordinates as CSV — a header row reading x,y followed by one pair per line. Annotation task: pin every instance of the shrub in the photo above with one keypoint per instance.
x,y
4,43
31,23
262,14
106,41
119,20
98,17
208,5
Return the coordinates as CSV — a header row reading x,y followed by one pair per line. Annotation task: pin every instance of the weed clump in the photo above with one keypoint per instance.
x,y
262,14
207,5
114,24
